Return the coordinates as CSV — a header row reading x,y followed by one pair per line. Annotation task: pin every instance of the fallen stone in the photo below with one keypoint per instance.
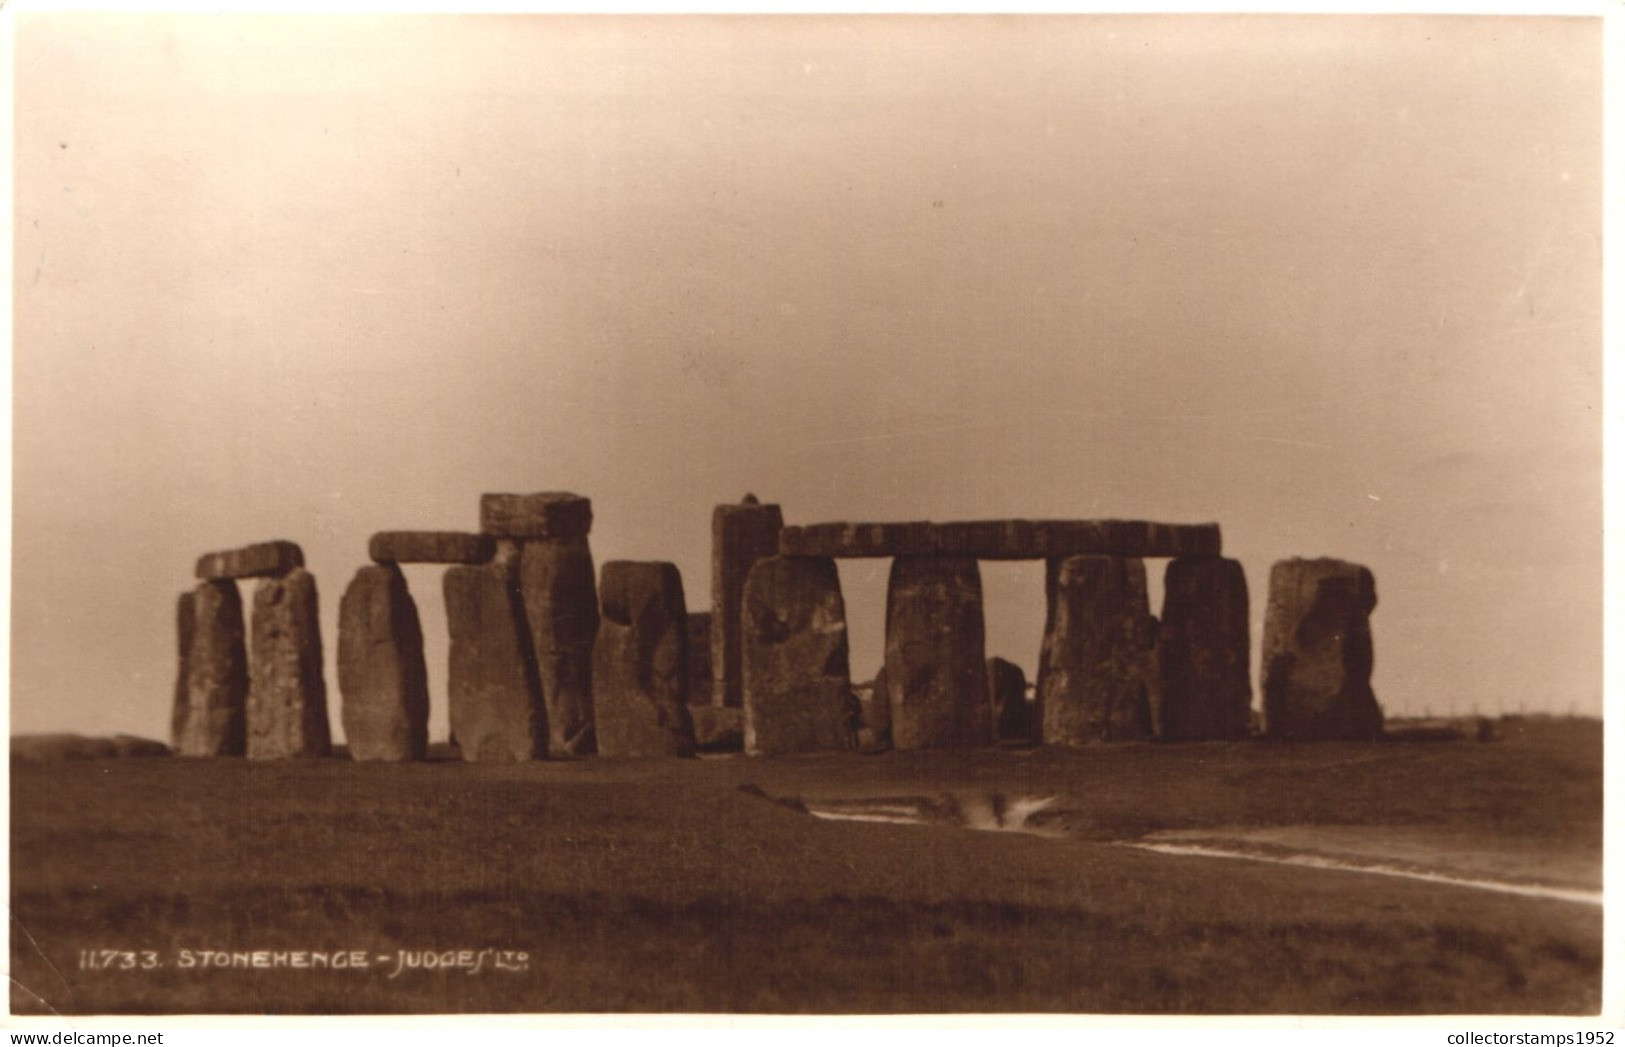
x,y
1317,652
430,547
1205,684
545,514
717,728
287,696
699,659
1002,539
935,677
492,691
640,662
1012,713
797,686
214,720
1099,670
740,536
561,610
251,561
383,681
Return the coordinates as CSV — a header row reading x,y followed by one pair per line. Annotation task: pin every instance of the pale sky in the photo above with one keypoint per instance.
x,y
1333,282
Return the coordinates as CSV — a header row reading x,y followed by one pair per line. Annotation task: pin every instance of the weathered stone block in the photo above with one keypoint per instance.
x,y
545,514
874,711
1012,713
699,660
1002,539
640,662
185,627
935,676
251,561
1317,651
740,535
211,718
717,728
1098,670
430,547
561,607
1202,651
797,686
287,696
492,691
383,681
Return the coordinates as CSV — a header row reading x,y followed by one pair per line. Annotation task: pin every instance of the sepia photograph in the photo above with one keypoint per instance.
x,y
1074,514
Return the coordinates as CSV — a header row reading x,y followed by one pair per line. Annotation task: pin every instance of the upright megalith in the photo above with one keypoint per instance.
x,y
1205,685
492,693
561,610
740,535
1012,713
935,675
640,662
1098,676
185,628
287,696
210,715
383,682
1317,651
797,682
699,659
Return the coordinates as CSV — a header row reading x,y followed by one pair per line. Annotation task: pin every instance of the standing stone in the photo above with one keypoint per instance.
x,y
935,676
699,659
382,678
1317,651
1098,674
185,628
740,535
1012,714
797,684
211,719
561,609
874,713
1205,683
287,697
492,692
640,662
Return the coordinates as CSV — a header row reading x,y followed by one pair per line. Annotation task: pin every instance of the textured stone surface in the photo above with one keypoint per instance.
x,y
1100,647
1012,713
545,514
1003,539
383,681
640,662
1317,651
251,561
212,720
699,660
740,535
430,547
717,728
935,676
1205,686
874,713
561,610
287,696
492,692
797,684
185,627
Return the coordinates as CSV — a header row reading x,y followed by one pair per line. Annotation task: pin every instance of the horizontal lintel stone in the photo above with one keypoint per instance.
x,y
251,561
430,547
1003,539
545,514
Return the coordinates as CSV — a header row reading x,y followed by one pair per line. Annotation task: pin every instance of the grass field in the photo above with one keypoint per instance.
x,y
705,886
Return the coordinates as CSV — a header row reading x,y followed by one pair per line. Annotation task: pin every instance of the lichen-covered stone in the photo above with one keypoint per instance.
x,y
1317,651
430,547
492,692
383,681
740,536
1098,666
545,514
640,662
211,718
287,696
935,639
797,684
561,609
251,561
1205,685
